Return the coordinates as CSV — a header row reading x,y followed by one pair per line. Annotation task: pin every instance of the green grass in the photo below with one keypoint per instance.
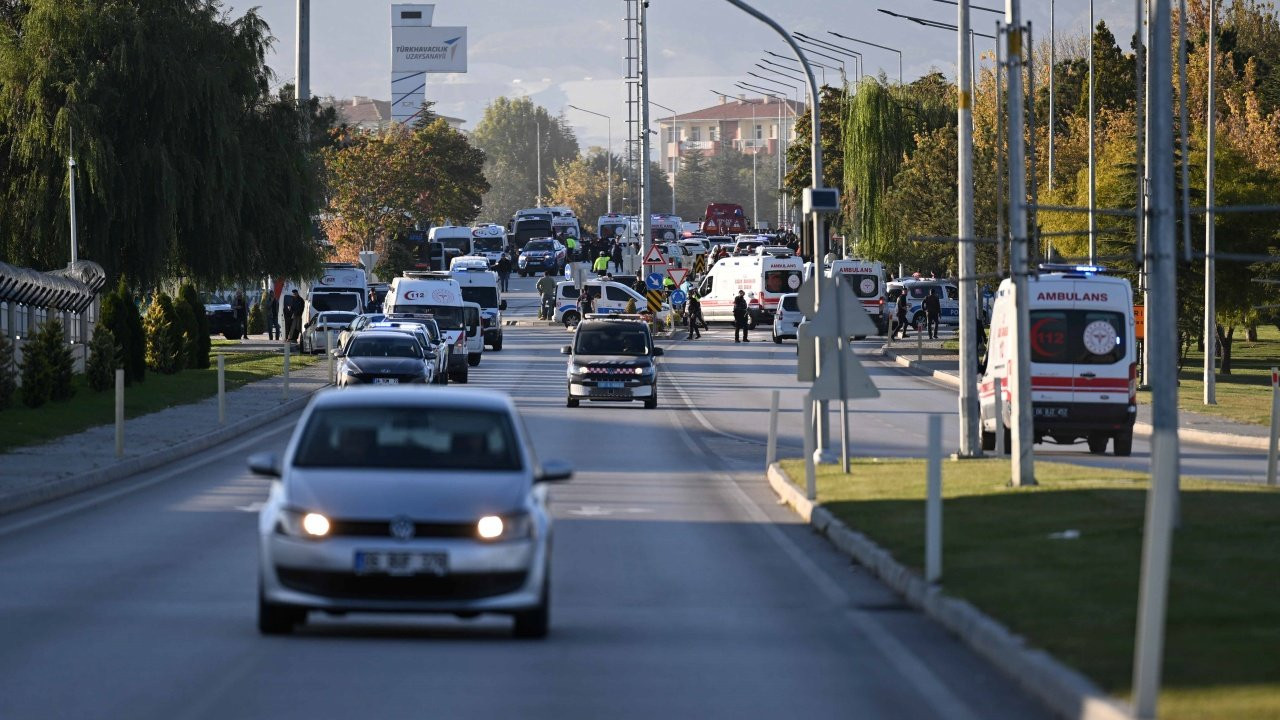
x,y
20,425
1077,598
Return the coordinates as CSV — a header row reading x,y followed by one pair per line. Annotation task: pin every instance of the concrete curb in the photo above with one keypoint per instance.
x,y
62,487
1063,690
1140,429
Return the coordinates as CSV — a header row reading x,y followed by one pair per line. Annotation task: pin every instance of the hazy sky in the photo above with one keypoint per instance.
x,y
571,51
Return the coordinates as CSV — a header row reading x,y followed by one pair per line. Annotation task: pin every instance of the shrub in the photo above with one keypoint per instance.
x,y
188,332
8,372
631,303
47,366
187,294
256,323
104,358
164,335
120,316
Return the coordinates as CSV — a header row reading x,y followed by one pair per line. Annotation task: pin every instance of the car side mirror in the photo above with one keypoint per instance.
x,y
566,350
502,304
266,464
554,471
657,351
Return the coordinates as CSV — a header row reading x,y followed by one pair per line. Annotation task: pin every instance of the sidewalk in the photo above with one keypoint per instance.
x,y
1193,427
36,474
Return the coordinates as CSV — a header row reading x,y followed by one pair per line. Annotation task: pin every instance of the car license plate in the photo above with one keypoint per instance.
x,y
401,563
1052,412
385,381
611,384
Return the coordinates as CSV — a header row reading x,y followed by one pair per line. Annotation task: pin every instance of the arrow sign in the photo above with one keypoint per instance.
x,y
653,281
678,297
854,320
677,274
654,257
857,384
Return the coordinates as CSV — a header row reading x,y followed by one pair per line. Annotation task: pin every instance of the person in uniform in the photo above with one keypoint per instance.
x,y
694,314
932,312
740,316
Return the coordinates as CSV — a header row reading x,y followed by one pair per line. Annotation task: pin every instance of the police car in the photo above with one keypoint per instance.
x,y
612,359
917,290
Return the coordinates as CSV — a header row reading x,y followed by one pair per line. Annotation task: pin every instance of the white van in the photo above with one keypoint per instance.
x,y
1083,360
439,295
765,278
489,241
865,279
341,288
456,239
473,325
480,285
611,298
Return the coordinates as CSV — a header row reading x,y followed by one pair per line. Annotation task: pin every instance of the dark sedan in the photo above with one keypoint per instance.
x,y
382,358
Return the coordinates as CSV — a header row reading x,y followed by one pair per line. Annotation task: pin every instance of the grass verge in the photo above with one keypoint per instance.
x,y
20,425
1078,598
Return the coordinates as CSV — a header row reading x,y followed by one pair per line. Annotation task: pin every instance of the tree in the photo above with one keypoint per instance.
x,y
47,366
506,133
104,358
120,316
164,335
581,186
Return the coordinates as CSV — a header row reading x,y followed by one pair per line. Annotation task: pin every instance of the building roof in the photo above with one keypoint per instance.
x,y
370,114
739,108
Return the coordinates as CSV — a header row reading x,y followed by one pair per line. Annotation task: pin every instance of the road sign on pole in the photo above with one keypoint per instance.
x,y
677,274
653,281
700,265
654,257
655,301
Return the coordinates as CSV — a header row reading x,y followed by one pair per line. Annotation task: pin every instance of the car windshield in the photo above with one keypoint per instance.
x,y
334,301
782,281
612,339
486,244
409,438
1080,337
401,347
485,297
538,246
333,318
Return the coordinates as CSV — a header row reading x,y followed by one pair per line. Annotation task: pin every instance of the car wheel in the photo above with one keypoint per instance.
x,y
536,622
231,335
1122,443
497,346
917,322
1097,443
777,339
571,402
651,402
571,318
276,619
473,359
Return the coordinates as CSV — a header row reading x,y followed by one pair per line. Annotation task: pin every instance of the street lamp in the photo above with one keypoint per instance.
x,y
882,47
608,153
675,164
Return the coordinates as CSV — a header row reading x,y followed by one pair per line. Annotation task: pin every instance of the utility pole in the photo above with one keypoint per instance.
x,y
1210,242
302,52
970,445
71,175
1053,61
755,213
537,144
1093,171
1023,460
646,194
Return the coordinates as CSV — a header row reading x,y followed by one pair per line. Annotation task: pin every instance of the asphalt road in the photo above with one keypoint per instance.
x,y
680,589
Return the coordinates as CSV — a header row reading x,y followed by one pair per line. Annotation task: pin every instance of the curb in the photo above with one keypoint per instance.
x,y
1063,690
62,487
1140,429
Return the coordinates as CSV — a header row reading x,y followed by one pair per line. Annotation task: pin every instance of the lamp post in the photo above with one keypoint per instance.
x,y
302,52
676,163
608,154
877,45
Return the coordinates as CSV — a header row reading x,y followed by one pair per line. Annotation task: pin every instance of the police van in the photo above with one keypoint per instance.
x,y
489,241
439,295
865,279
1083,359
916,290
764,279
480,285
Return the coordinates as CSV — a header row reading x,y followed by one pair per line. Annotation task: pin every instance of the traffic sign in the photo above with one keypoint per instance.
x,y
654,257
677,274
819,363
678,297
855,320
700,265
655,301
653,281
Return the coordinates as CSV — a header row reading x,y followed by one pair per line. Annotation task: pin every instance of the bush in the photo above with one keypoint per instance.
x,y
120,316
200,353
8,372
189,333
47,366
104,358
257,325
163,334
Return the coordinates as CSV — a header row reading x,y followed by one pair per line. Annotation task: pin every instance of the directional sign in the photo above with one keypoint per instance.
x,y
677,274
653,281
819,363
854,319
678,297
654,257
654,298
700,265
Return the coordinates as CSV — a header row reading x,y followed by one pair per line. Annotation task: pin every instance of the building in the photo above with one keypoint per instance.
x,y
754,126
368,114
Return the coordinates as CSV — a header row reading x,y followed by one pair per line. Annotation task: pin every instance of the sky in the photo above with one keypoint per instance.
x,y
561,52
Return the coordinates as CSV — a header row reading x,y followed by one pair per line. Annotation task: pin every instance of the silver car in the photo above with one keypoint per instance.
x,y
406,500
788,318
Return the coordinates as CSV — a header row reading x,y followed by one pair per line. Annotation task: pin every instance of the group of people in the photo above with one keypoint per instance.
x,y
932,307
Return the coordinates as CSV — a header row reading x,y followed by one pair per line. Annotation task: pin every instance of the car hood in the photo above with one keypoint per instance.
x,y
217,307
612,360
388,365
430,495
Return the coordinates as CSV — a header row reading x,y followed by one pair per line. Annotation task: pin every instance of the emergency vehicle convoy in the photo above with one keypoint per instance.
x,y
439,295
865,279
765,278
1083,360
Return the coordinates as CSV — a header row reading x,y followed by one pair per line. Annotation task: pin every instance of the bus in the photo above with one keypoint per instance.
x,y
724,219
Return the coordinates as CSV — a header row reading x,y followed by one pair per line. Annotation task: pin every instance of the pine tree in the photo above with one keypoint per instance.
x,y
104,358
8,372
164,336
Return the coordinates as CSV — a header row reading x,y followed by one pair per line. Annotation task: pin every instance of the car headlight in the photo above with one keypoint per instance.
x,y
309,525
512,527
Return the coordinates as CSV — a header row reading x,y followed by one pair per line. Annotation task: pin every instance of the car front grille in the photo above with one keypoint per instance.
x,y
463,586
369,377
382,528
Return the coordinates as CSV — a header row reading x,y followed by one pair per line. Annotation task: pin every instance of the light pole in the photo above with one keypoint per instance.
x,y
1023,461
537,144
1210,242
676,163
882,47
302,52
608,154
1093,171
71,176
966,264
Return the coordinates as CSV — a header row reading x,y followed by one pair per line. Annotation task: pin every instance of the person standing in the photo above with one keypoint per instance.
x,y
902,314
374,305
547,291
694,314
615,255
504,271
601,265
740,316
273,316
293,308
932,312
586,304
240,311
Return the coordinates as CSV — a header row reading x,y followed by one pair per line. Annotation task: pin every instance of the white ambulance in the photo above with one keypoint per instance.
x,y
764,278
489,241
1083,360
341,287
665,228
439,295
865,279
456,239
480,285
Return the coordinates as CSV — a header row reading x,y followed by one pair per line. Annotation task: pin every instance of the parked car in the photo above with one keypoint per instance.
x,y
313,339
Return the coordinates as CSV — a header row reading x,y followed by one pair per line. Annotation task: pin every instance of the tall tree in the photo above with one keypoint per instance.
x,y
510,133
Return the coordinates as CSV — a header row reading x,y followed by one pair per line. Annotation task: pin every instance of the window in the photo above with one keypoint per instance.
x,y
782,281
1083,337
773,131
612,339
368,346
759,132
420,438
486,297
863,285
952,292
617,294
715,133
695,133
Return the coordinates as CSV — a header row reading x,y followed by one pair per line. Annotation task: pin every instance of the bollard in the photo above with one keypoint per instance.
x,y
999,412
328,349
810,482
771,454
222,389
285,387
1275,420
919,346
933,504
119,412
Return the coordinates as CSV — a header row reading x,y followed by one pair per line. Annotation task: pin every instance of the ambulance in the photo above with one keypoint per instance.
x,y
489,241
764,278
665,228
865,279
340,287
1083,360
455,239
439,295
480,285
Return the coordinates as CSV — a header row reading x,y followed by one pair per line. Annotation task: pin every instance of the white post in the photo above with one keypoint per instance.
x,y
609,169
1023,459
328,350
285,387
771,454
1275,424
119,412
1210,243
810,481
222,389
999,411
967,261
933,504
